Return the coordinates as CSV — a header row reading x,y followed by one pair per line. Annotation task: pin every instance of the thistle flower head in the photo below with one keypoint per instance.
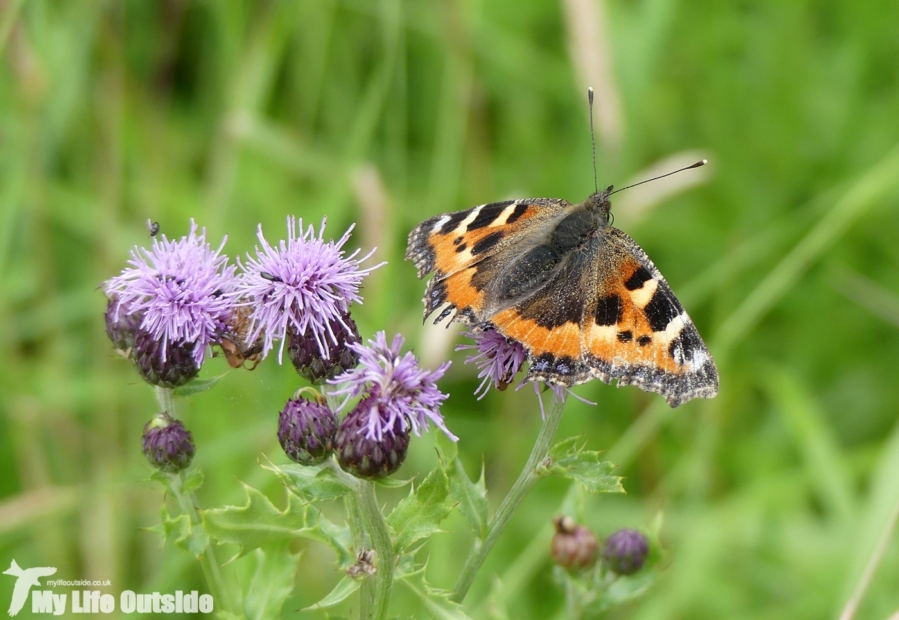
x,y
498,359
366,456
180,289
303,285
399,393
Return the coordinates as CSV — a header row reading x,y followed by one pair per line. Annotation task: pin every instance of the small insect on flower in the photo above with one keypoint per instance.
x,y
153,227
234,341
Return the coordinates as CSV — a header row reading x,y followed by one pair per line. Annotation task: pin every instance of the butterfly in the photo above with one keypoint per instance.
x,y
582,298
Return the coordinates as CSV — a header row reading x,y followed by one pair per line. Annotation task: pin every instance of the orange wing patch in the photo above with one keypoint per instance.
x,y
458,290
560,341
625,333
458,244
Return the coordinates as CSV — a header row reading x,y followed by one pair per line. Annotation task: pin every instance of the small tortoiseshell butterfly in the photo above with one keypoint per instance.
x,y
580,295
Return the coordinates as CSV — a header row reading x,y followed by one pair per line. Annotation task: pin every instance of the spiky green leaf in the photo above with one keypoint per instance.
x,y
419,514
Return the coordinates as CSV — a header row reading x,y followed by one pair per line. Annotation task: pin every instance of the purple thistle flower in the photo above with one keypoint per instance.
x,y
398,392
181,289
370,457
498,359
304,285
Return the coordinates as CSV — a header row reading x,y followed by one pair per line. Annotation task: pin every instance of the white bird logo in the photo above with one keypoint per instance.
x,y
27,577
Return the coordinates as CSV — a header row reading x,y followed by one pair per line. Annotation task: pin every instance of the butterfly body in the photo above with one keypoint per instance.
x,y
580,295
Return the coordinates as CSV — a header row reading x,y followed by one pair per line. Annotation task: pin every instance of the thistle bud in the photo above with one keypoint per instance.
x,y
315,366
365,455
177,367
574,547
306,431
122,328
625,551
167,444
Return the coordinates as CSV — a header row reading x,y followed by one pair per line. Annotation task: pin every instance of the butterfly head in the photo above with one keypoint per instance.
x,y
600,204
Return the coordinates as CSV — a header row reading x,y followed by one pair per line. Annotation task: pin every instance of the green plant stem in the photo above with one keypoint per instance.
x,y
517,493
357,528
166,398
380,538
188,504
208,562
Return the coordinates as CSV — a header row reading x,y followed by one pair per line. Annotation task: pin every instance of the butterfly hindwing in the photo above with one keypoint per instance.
x,y
640,333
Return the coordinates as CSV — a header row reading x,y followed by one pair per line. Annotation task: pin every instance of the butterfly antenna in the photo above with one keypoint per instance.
x,y
592,137
698,164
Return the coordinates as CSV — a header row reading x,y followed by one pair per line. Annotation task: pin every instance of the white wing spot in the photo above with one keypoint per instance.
x,y
439,223
504,215
463,225
643,295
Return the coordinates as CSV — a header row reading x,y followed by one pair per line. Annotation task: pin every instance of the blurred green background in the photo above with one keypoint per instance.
x,y
784,250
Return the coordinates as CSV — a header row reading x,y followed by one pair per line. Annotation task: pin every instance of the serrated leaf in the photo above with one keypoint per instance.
x,y
419,514
470,496
272,582
259,522
197,386
344,588
436,602
325,531
313,482
392,483
585,466
565,447
183,533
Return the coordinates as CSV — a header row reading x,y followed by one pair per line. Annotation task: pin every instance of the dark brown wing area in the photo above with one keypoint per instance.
x,y
548,323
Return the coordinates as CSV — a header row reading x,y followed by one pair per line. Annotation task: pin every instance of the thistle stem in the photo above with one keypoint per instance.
x,y
357,529
188,503
517,493
208,563
380,538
